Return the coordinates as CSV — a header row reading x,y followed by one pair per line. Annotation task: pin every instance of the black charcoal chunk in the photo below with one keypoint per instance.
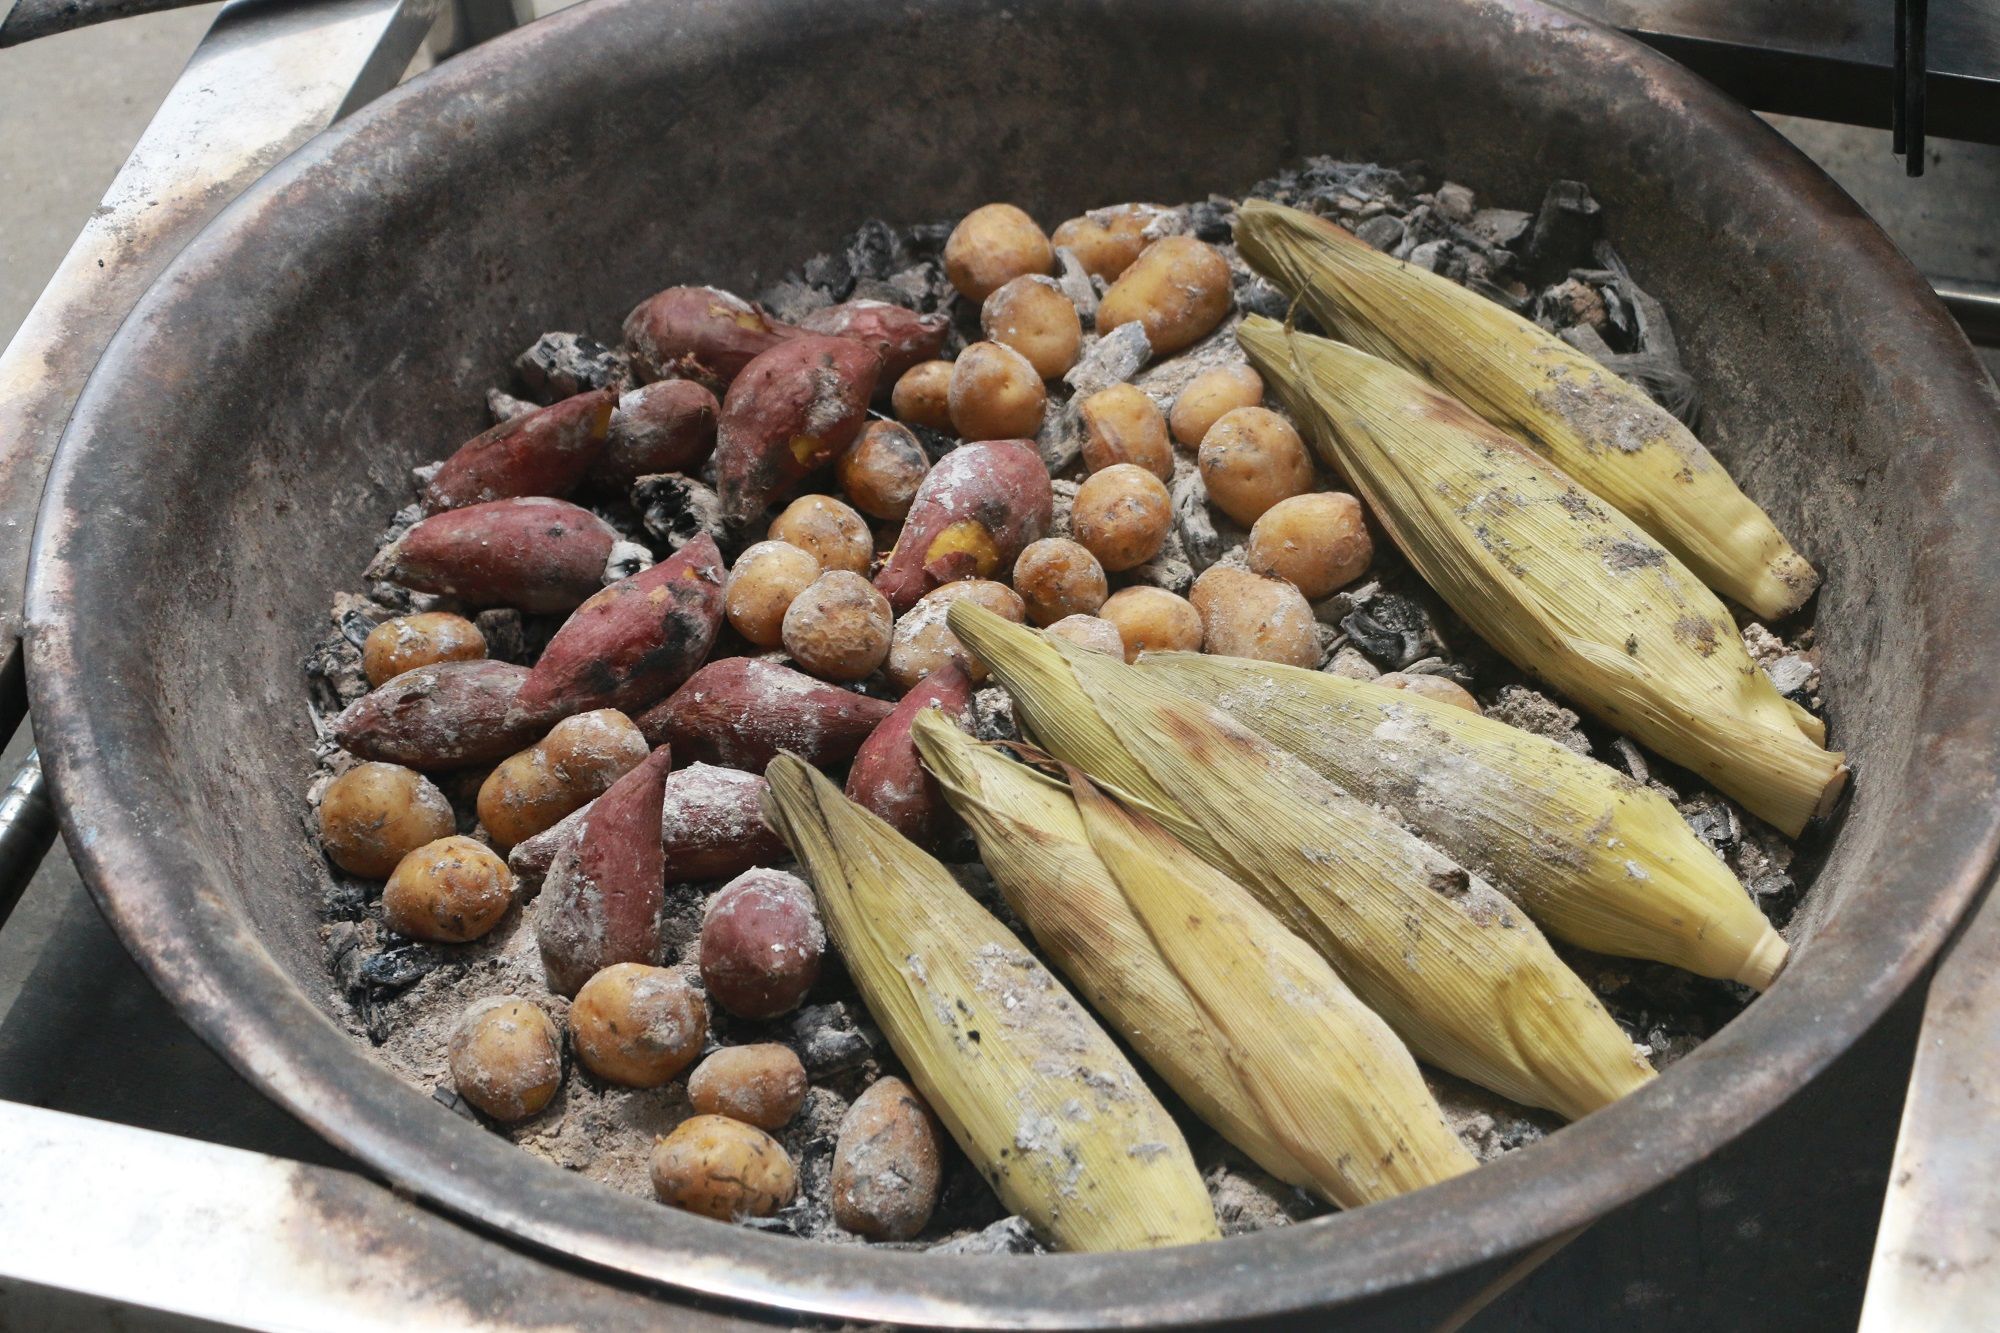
x,y
1210,219
830,1039
1075,282
936,443
1382,231
1565,230
561,365
830,274
1503,227
993,715
1254,296
876,250
1201,544
1060,440
1392,629
676,509
506,639
397,969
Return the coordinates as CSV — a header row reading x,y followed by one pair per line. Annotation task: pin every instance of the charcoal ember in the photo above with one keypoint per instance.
x,y
831,1038
371,974
505,634
1075,282
1392,628
993,715
346,900
503,406
1382,231
1010,1235
830,274
1458,673
791,301
1762,861
1519,706
396,969
1169,569
1211,219
926,239
936,443
1652,331
1112,359
966,1202
1326,185
1632,760
561,365
1247,1199
1565,230
875,250
1060,440
676,509
1254,296
1505,228
1455,201
809,1140
1714,820
334,673
1430,256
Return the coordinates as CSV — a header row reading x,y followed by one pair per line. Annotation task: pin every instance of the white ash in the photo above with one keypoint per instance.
x,y
1075,282
504,407
421,474
1531,710
1062,505
993,715
1060,439
1349,661
1194,525
625,560
1169,568
1113,358
676,509
1247,1199
561,365
1010,1235
832,1038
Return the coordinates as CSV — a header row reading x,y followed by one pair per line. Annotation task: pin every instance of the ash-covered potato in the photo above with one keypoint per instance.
x,y
1122,424
1122,516
1318,543
761,943
448,891
991,246
888,1163
830,531
409,642
762,1084
838,628
995,394
1106,240
793,409
505,1057
1031,315
666,426
1250,459
637,1025
762,586
1431,687
1248,615
373,815
1211,395
923,642
1057,578
567,769
975,511
724,1169
881,470
1178,290
922,396
1092,632
1150,620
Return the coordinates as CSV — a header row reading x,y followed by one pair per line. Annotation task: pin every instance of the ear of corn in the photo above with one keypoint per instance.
x,y
1560,582
1604,432
1451,964
1038,1096
1333,1082
1593,856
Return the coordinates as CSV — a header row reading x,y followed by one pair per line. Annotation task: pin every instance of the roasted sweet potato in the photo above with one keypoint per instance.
x,y
888,777
547,452
900,337
740,712
792,410
537,554
600,903
973,514
668,426
698,333
448,715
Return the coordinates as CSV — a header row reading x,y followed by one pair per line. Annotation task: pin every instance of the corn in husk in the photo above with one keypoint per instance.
x,y
1038,1096
1594,857
1456,969
1561,583
1601,430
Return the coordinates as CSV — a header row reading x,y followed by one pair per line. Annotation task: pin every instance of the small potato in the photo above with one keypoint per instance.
x,y
881,470
1178,289
1440,688
923,642
637,1025
1211,394
1248,615
1121,424
448,891
1152,619
827,530
373,815
761,944
1317,543
1092,632
838,628
922,396
724,1169
761,588
995,394
1058,578
505,1057
1252,458
1107,240
1031,315
572,766
762,1085
1122,515
991,246
888,1163
408,642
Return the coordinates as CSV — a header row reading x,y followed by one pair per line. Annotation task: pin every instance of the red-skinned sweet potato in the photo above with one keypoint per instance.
x,y
888,777
667,426
740,712
698,333
761,944
634,641
446,715
974,512
547,452
537,554
792,410
900,337
711,827
600,903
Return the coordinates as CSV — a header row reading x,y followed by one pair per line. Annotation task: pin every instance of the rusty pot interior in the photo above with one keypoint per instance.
x,y
254,424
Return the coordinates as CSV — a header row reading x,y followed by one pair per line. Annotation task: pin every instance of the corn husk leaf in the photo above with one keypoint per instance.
x,y
1560,582
1596,858
1039,1097
1606,433
1456,969
1336,1086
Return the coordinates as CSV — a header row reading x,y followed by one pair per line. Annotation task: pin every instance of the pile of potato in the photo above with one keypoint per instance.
x,y
861,483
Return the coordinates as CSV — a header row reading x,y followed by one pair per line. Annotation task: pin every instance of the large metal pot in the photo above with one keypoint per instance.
x,y
254,422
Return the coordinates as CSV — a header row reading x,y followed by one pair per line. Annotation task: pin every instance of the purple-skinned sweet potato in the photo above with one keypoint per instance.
x,y
600,903
740,712
900,337
634,641
698,333
546,452
446,715
666,426
711,827
972,515
534,553
888,777
792,410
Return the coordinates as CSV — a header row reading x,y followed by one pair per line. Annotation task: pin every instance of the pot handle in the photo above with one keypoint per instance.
x,y
27,829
